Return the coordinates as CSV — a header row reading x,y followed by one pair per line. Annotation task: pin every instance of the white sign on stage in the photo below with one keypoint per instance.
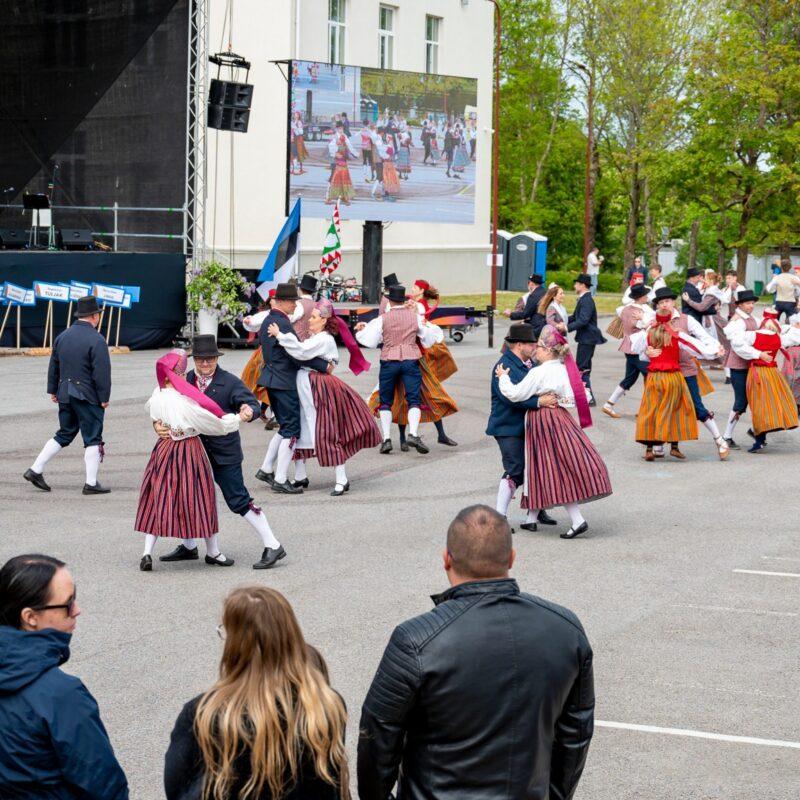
x,y
51,291
78,290
16,294
109,294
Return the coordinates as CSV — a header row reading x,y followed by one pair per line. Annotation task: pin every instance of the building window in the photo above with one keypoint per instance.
x,y
432,25
386,34
336,29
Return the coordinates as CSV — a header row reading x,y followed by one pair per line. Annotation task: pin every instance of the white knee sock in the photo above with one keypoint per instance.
x,y
189,544
727,372
149,544
711,426
575,516
733,418
300,471
91,458
259,521
386,423
414,415
505,493
341,476
212,546
615,395
51,447
532,514
268,465
285,452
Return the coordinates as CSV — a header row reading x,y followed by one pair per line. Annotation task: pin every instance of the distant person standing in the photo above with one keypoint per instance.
x,y
79,381
637,267
593,263
450,144
786,287
656,280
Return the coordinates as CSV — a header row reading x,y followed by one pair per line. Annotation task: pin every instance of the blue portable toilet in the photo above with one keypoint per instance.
x,y
540,251
527,254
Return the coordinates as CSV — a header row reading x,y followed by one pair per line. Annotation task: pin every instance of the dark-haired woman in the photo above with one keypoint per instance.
x,y
271,726
53,743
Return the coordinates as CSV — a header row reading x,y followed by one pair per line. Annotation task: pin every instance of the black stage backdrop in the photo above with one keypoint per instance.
x,y
152,322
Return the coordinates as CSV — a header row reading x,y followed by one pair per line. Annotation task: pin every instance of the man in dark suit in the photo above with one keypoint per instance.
x,y
583,322
693,277
79,380
279,378
507,420
530,311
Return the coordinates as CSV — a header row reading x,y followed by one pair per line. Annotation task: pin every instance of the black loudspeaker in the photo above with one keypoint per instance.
x,y
13,238
229,105
76,239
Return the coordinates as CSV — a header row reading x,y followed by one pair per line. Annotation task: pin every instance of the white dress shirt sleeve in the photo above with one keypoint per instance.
x,y
372,334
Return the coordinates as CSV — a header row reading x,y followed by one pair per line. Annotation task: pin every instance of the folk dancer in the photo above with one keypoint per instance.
x,y
507,419
712,297
530,310
552,310
404,155
252,369
79,381
583,323
636,280
656,280
562,466
298,147
691,292
340,186
388,281
367,147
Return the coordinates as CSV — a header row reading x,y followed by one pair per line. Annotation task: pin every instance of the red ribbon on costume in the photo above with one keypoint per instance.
x,y
358,363
165,371
577,385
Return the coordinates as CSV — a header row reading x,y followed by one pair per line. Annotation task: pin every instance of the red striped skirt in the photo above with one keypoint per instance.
x,y
177,496
561,464
772,405
344,422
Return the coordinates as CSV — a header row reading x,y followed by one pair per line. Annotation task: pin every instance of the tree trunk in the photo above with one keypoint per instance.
x,y
593,178
693,234
785,250
632,228
651,237
742,249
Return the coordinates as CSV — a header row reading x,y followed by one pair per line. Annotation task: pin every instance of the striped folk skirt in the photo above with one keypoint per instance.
x,y
561,464
344,422
252,372
441,361
703,381
435,404
666,413
791,371
177,496
772,404
341,186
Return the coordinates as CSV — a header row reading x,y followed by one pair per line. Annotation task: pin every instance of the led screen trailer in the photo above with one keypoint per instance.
x,y
388,145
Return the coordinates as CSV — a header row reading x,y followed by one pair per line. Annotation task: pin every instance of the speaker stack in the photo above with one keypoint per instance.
x,y
229,105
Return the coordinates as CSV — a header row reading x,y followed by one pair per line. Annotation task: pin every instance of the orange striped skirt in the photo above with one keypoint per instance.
x,y
435,403
250,374
771,402
703,381
666,413
441,361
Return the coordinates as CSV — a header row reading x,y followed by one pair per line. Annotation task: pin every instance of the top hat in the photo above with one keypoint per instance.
x,y
520,332
745,295
640,290
286,291
87,306
308,284
390,280
692,272
664,293
396,294
205,346
584,279
537,279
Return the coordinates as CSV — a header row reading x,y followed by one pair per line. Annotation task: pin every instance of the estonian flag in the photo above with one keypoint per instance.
x,y
283,257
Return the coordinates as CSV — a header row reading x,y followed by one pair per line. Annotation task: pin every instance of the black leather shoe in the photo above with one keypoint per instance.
x,y
285,488
593,402
404,447
271,424
37,479
545,518
752,435
146,564
267,477
446,440
732,445
181,553
96,489
303,484
417,443
270,557
727,382
219,561
386,447
529,526
345,488
573,532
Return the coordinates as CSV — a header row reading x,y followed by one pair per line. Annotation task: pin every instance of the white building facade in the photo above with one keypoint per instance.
x,y
247,172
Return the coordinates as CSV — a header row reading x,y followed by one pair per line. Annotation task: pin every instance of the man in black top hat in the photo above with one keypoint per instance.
x,y
279,377
79,380
530,312
584,324
693,277
308,285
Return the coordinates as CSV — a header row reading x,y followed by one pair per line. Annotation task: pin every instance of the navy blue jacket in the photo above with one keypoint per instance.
x,y
694,294
531,306
584,321
80,366
280,369
53,744
228,392
507,418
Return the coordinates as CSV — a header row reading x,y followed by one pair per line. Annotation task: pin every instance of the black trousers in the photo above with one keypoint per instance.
x,y
230,480
739,383
286,408
783,307
512,451
634,367
78,415
583,358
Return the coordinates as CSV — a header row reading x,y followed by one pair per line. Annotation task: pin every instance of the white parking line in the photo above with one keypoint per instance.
x,y
781,558
762,572
719,737
763,612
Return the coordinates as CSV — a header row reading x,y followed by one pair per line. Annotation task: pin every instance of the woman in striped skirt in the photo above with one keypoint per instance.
x,y
562,466
335,422
772,404
177,496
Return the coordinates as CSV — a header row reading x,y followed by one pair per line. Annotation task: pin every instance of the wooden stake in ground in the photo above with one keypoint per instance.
x,y
19,328
5,319
110,320
102,314
47,322
119,320
69,314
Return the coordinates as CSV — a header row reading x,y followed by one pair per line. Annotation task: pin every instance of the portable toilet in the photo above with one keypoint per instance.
x,y
527,253
540,252
503,239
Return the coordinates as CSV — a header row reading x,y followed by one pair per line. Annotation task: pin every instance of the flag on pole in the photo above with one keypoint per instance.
x,y
283,258
332,249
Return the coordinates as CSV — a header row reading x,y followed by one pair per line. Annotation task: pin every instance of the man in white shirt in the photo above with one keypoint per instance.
x,y
657,282
593,262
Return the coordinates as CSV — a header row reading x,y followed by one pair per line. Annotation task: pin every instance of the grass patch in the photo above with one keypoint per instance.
x,y
606,302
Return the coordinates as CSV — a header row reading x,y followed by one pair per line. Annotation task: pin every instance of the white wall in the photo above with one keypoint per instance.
x,y
453,257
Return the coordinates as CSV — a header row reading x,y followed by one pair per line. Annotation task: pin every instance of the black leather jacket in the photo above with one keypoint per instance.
x,y
490,696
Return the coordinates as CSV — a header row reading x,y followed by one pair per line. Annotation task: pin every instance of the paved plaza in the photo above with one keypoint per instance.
x,y
687,582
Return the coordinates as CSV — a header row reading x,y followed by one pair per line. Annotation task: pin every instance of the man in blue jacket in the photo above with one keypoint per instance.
x,y
584,324
507,419
530,311
79,380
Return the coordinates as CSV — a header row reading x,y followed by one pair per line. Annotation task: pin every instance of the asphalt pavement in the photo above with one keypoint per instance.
x,y
687,582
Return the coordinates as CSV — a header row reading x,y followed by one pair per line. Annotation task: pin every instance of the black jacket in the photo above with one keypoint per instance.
x,y
80,366
280,369
531,306
694,294
183,768
228,392
584,321
489,696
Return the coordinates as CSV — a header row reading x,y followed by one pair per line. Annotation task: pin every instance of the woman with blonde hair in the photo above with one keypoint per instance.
x,y
270,728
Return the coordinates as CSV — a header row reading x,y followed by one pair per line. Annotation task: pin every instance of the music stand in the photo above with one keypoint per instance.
x,y
36,203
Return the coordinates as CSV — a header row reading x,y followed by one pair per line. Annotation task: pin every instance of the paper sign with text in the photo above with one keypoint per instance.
x,y
51,291
15,294
78,290
109,295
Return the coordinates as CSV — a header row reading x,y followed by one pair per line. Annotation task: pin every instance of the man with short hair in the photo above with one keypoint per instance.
x,y
691,289
530,311
656,279
593,262
489,695
583,322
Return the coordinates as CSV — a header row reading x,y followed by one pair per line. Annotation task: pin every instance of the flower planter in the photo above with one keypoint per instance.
x,y
207,322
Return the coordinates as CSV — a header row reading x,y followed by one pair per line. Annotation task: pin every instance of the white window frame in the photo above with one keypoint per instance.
x,y
432,44
337,29
386,37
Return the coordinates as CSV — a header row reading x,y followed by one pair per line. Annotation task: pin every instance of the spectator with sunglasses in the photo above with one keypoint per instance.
x,y
53,744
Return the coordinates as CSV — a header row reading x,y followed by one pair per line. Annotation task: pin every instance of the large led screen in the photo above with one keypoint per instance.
x,y
388,145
